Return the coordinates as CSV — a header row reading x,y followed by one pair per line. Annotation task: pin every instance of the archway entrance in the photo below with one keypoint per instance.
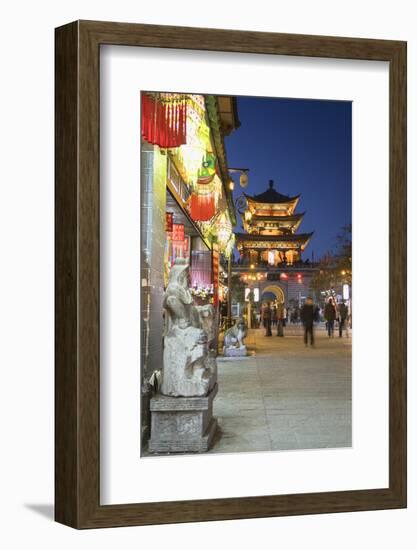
x,y
273,292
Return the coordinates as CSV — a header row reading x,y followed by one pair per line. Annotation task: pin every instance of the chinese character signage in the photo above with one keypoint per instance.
x,y
178,232
169,221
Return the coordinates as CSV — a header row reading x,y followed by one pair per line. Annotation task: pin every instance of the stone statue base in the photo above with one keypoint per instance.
x,y
182,424
235,352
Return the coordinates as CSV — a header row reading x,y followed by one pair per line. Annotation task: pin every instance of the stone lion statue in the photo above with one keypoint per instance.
x,y
189,369
234,336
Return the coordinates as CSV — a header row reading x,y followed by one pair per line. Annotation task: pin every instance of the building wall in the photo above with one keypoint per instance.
x,y
296,289
153,203
292,288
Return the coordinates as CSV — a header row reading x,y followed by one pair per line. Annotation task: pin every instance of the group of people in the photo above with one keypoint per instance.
x,y
274,316
332,312
309,314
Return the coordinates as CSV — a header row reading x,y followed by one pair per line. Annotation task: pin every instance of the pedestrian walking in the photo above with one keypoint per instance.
x,y
307,318
316,314
348,323
267,319
280,319
274,316
294,315
342,316
330,316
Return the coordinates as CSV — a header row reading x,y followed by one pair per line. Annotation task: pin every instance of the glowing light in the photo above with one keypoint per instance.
x,y
231,185
252,266
224,230
346,292
256,294
284,276
343,272
243,180
191,157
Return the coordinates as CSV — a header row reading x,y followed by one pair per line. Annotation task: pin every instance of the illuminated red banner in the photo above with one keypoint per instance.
x,y
178,232
169,221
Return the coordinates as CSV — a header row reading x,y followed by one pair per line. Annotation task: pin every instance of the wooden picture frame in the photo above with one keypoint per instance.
x,y
77,406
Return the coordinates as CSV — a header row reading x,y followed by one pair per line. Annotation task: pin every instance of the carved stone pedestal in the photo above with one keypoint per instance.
x,y
182,424
235,352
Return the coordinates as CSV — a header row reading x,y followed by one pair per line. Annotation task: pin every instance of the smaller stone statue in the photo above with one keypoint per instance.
x,y
233,340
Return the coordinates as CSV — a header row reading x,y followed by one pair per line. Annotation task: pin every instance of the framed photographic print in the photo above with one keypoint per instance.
x,y
230,274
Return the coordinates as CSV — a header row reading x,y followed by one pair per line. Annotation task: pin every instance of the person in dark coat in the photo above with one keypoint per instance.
x,y
267,314
330,316
280,319
307,318
274,316
296,314
343,313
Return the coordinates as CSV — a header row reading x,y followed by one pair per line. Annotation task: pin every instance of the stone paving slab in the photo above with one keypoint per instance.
x,y
287,396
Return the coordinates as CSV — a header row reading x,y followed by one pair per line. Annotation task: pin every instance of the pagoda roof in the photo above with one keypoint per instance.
x,y
270,196
301,237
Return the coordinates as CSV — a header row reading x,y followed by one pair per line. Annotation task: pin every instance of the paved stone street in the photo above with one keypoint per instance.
x,y
287,396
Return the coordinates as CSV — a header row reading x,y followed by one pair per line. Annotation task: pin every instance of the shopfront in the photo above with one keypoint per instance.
x,y
186,203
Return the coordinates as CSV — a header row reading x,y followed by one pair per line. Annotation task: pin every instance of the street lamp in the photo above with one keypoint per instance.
x,y
243,178
243,181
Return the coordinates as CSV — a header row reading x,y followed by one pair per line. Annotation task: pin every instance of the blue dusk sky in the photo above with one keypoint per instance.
x,y
305,146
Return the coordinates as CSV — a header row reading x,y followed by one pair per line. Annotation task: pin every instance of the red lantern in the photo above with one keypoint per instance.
x,y
164,118
202,204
